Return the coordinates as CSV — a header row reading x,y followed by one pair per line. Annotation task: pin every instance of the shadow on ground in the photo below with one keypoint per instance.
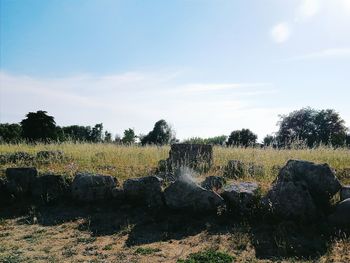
x,y
270,240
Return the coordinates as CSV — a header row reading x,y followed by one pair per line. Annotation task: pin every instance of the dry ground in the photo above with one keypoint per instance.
x,y
75,233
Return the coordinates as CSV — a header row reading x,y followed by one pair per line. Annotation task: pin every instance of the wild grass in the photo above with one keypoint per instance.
x,y
134,161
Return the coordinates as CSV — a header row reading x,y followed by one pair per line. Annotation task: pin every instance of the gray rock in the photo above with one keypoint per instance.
x,y
20,180
198,157
234,169
242,196
4,194
93,187
51,187
187,195
345,192
291,201
213,183
302,191
320,179
144,190
341,215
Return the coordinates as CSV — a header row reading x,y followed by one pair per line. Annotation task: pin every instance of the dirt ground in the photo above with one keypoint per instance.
x,y
76,233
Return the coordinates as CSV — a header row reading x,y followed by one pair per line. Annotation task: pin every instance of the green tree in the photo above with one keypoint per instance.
x,y
129,136
244,137
313,127
96,133
10,133
269,140
38,126
108,137
77,133
161,134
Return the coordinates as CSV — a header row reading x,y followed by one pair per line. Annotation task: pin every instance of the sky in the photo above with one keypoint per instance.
x,y
207,67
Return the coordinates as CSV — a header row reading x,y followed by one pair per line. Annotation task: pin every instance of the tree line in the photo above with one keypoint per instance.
x,y
306,126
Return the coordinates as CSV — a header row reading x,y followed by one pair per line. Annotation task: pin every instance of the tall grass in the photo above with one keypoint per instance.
x,y
133,161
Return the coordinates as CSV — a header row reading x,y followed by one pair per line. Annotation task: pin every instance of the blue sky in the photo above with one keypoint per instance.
x,y
206,66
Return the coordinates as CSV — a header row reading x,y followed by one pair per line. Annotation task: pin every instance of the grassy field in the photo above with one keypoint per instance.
x,y
133,161
69,233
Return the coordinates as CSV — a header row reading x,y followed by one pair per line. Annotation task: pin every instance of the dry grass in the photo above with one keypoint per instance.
x,y
134,161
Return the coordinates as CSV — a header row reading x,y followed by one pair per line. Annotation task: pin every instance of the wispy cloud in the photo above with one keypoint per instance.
x,y
331,53
138,99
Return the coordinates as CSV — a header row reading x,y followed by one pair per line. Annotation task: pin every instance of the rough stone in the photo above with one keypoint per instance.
x,y
144,190
302,191
341,215
214,183
242,196
345,192
51,187
93,187
20,180
291,201
4,194
320,179
187,195
195,156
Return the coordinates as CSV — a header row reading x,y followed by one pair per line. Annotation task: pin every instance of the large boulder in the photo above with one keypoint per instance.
x,y
144,190
198,157
341,215
302,191
20,180
345,192
51,187
4,194
213,183
242,196
187,195
88,187
291,201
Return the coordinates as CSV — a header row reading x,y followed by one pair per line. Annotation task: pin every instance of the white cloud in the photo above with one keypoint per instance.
x,y
332,53
138,100
308,8
280,33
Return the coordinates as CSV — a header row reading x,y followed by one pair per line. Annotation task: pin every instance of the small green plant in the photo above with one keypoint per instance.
x,y
208,256
107,247
86,240
11,258
146,250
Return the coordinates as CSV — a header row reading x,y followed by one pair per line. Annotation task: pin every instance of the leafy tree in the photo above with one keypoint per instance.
x,y
10,133
129,136
269,140
38,126
330,128
161,134
96,133
217,140
108,137
313,127
77,133
244,137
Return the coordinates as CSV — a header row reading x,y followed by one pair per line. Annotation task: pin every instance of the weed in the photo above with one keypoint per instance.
x,y
208,256
146,250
